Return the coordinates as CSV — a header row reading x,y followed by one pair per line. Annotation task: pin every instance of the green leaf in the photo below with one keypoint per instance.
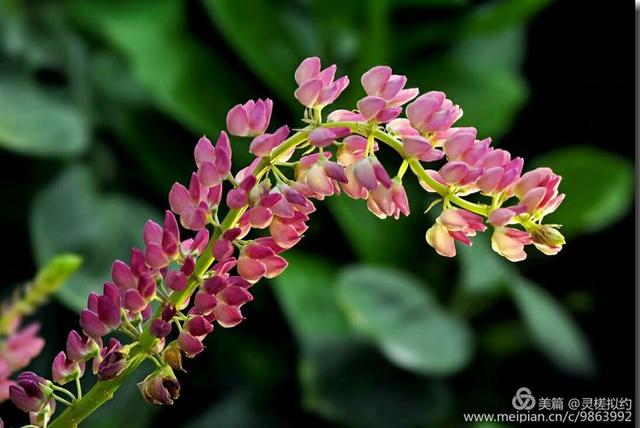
x,y
505,338
498,14
186,80
599,188
36,123
345,382
482,270
374,241
404,320
256,30
552,329
71,215
235,411
306,293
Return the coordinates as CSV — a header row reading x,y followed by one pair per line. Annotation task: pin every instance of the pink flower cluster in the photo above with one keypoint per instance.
x,y
206,279
17,350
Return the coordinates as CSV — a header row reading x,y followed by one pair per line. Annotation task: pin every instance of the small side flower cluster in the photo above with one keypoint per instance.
x,y
204,280
17,348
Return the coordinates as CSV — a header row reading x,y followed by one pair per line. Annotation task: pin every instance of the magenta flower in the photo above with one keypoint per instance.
x,y
257,261
316,87
385,94
263,144
160,387
239,197
112,362
81,348
249,119
103,312
318,177
16,352
369,172
345,115
27,394
214,164
538,192
433,112
161,244
389,202
421,148
20,347
65,370
324,137
454,224
194,205
510,242
353,149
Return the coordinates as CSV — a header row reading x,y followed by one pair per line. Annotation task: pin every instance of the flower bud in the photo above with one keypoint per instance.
x,y
510,242
188,266
249,119
176,280
30,393
198,326
173,356
189,344
64,370
81,348
160,328
160,387
547,239
114,361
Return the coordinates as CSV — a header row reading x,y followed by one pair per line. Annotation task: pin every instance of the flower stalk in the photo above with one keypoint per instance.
x,y
205,280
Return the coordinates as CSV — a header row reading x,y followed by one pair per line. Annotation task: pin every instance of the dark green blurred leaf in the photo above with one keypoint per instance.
x,y
374,240
599,188
34,122
126,409
401,317
482,270
71,215
186,80
505,338
429,3
552,329
248,25
347,383
497,14
306,293
235,411
482,75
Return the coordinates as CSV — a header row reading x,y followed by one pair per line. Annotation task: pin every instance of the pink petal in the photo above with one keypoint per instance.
x,y
309,68
374,79
204,151
238,122
370,106
309,92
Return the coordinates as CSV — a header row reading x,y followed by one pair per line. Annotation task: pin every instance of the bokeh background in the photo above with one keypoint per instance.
x,y
101,103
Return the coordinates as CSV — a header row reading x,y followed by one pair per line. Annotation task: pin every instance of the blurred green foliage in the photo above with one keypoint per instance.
x,y
88,82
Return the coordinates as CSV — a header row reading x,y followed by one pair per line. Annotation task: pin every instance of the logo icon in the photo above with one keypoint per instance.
x,y
523,400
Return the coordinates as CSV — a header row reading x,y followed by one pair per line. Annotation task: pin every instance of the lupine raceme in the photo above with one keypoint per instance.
x,y
168,297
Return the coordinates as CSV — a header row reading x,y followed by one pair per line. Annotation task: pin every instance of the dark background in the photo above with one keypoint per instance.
x,y
577,63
